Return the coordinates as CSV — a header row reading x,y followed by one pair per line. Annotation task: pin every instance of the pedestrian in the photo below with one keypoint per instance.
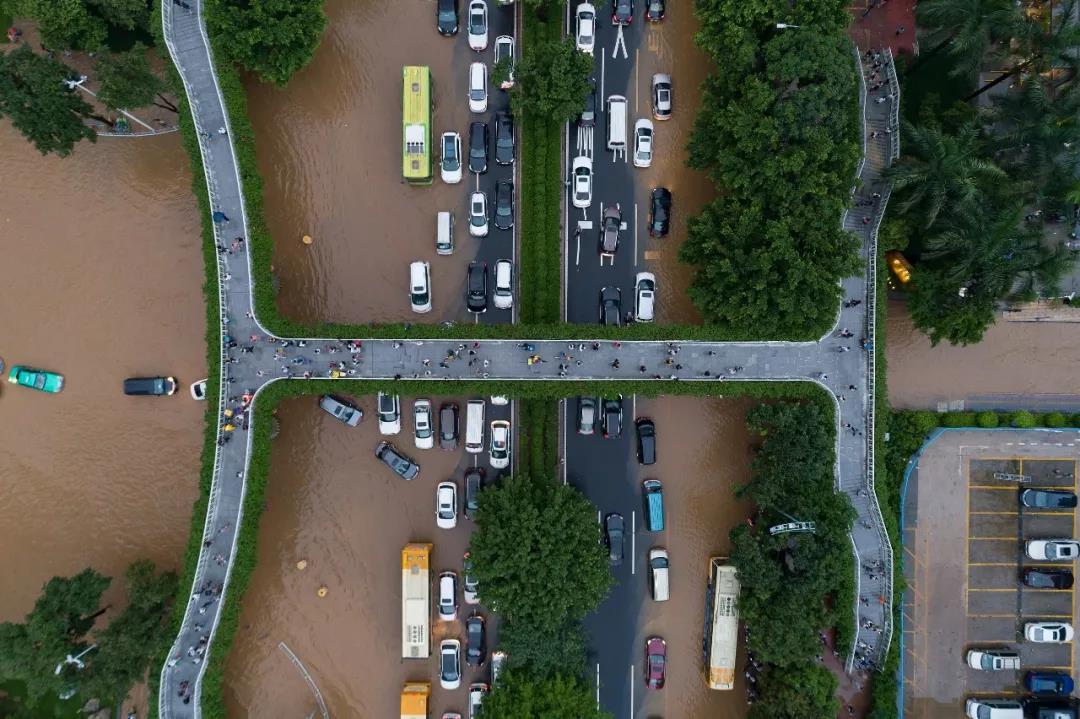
x,y
851,386
220,216
641,369
900,30
222,131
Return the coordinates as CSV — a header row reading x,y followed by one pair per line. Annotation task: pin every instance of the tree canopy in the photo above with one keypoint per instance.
x,y
551,80
126,80
272,38
521,696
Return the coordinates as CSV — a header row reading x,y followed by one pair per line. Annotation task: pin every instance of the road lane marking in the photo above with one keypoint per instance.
x,y
602,102
631,691
635,235
620,41
598,663
637,78
633,542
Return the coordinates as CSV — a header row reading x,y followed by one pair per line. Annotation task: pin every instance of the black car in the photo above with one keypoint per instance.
x,y
646,440
448,426
446,17
504,138
611,307
586,415
1044,578
395,460
622,12
474,638
474,482
504,204
157,386
612,418
659,212
614,526
1048,499
476,289
478,147
587,118
654,10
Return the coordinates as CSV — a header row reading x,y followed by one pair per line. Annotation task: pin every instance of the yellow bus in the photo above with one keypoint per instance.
x,y
416,601
416,125
721,624
414,700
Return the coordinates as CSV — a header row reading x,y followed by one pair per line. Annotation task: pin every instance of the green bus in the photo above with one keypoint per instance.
x,y
416,125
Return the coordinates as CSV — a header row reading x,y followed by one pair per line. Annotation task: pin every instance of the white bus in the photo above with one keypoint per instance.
x,y
721,624
416,601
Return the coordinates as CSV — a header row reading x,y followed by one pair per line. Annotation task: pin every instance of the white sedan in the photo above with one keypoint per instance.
x,y
582,171
643,143
446,505
478,216
450,166
423,427
499,454
1053,549
586,28
478,87
478,25
1048,632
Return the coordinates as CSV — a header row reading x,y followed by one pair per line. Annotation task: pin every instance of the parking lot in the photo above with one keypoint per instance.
x,y
964,495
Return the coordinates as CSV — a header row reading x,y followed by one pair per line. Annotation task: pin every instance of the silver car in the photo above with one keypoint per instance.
x,y
662,100
341,410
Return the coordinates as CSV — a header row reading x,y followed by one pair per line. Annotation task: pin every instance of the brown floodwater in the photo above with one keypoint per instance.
x,y
329,148
668,47
1014,358
102,271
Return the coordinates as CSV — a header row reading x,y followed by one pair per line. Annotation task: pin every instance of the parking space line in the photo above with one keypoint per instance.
x,y
999,693
1009,589
1011,488
993,539
991,564
999,616
967,529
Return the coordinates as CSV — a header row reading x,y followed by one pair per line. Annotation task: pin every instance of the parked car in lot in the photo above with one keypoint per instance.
x,y
610,224
478,25
477,692
611,306
504,138
478,214
478,147
388,407
341,410
504,204
643,143
504,50
582,182
614,527
154,386
993,660
622,12
420,287
448,604
475,641
644,297
503,295
659,212
585,23
446,17
1048,632
587,118
1054,709
613,417
476,289
1045,578
1053,550
450,166
448,426
499,454
446,505
474,482
450,664
646,440
471,587
423,424
655,10
478,87
655,662
1057,683
993,709
663,101
395,460
586,412
444,233
1048,499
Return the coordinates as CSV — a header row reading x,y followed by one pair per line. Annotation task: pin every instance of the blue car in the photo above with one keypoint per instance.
x,y
1048,683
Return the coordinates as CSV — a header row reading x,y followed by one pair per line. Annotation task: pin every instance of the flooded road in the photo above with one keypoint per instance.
x,y
102,273
329,148
1014,358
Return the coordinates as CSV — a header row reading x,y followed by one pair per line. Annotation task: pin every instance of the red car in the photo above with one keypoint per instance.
x,y
655,662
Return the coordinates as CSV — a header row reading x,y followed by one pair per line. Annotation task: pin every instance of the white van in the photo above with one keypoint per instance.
x,y
444,233
504,285
474,426
994,709
658,574
616,123
420,287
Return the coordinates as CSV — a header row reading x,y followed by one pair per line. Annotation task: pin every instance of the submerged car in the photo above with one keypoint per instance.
x,y
388,407
643,143
395,460
450,664
478,25
448,604
423,424
474,482
475,640
663,101
471,591
450,167
37,379
155,386
446,17
341,410
655,663
655,10
446,505
659,212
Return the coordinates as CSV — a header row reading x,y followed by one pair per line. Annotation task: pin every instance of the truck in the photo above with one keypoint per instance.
x,y
414,700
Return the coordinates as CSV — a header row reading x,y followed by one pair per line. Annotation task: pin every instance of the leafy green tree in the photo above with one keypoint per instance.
x,y
521,696
970,32
537,553
799,692
128,14
543,652
33,96
272,38
939,312
126,80
551,80
66,24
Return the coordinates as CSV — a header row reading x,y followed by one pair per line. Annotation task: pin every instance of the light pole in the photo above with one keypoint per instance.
x,y
785,26
74,659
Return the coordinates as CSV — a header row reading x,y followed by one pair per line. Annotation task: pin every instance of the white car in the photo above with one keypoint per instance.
x,y
388,407
504,285
477,690
478,93
504,50
478,25
983,708
993,660
448,604
643,143
499,452
446,505
582,171
500,400
420,287
423,427
478,215
1048,632
1053,550
586,28
644,297
450,664
450,166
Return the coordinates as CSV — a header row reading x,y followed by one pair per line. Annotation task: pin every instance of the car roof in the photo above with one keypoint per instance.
x,y
661,77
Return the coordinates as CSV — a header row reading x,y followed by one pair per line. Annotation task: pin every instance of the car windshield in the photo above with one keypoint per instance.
x,y
476,21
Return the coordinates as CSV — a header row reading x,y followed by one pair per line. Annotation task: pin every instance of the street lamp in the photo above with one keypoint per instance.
x,y
785,26
74,659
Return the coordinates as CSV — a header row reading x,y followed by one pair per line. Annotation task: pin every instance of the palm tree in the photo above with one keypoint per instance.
x,y
970,31
939,170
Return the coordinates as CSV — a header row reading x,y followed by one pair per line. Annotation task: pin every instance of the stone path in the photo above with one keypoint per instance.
x,y
251,358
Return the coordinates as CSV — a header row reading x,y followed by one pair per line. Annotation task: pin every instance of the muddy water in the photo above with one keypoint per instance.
x,y
668,47
1021,358
703,454
102,275
330,502
330,154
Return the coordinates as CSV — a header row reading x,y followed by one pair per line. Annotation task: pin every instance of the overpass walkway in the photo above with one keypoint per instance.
x,y
252,358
